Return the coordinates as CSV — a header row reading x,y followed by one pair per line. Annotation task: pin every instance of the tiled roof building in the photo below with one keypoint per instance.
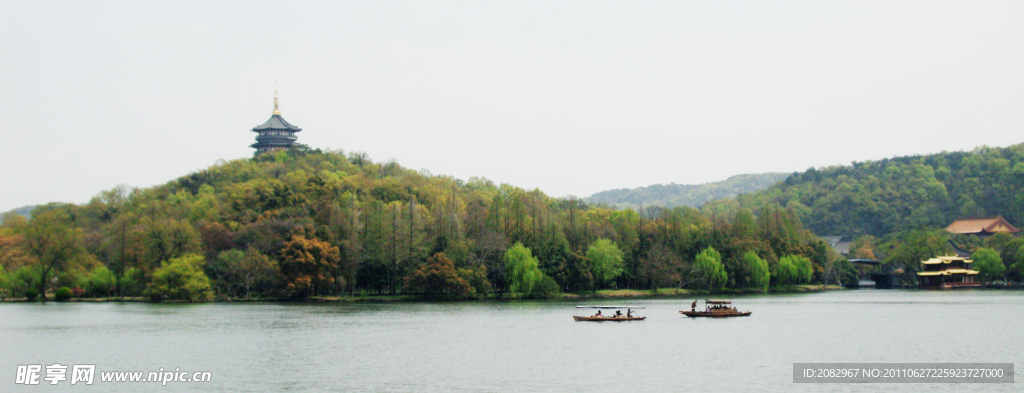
x,y
982,226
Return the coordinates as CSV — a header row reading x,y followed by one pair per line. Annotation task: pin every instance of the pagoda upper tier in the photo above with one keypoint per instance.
x,y
274,134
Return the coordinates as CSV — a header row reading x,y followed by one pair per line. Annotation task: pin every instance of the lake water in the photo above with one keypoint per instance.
x,y
515,346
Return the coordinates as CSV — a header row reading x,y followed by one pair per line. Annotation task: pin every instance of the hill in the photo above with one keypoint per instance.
x,y
306,222
694,195
898,194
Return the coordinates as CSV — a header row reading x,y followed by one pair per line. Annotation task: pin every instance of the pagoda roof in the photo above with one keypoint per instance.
x,y
949,272
961,271
982,225
946,259
276,122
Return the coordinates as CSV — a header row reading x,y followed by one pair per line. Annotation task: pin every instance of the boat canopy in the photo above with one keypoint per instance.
x,y
629,307
717,301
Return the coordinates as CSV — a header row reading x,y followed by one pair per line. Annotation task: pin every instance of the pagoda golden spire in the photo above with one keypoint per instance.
x,y
276,110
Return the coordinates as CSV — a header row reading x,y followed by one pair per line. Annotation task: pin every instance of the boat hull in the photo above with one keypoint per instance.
x,y
705,314
609,319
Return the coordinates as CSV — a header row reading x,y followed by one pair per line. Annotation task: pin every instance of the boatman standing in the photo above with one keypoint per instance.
x,y
693,307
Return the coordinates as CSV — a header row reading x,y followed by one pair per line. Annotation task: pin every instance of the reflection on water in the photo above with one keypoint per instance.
x,y
520,346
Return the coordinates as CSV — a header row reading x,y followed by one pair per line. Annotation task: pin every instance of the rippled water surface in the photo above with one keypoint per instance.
x,y
515,346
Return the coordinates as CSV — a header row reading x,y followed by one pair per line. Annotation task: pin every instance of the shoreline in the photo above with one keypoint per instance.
x,y
666,293
600,294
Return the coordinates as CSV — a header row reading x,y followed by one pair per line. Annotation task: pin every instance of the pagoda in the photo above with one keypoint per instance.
x,y
275,133
947,272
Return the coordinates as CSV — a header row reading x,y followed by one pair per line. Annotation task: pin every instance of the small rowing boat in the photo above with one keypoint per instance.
x,y
617,317
716,309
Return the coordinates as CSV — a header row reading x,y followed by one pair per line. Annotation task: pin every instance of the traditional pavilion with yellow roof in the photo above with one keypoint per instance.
x,y
947,272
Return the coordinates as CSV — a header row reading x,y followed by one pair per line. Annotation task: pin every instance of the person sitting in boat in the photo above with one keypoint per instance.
x,y
618,313
598,313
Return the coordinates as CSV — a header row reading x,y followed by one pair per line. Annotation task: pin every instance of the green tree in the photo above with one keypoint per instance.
x,y
661,267
522,269
909,249
131,282
989,264
1017,267
708,269
22,279
181,279
574,272
804,269
225,283
744,225
756,271
53,241
244,270
1005,244
783,272
477,278
547,288
124,245
794,269
100,282
5,284
605,261
165,239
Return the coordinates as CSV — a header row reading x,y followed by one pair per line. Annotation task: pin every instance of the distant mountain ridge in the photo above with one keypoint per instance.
x,y
898,194
694,195
25,211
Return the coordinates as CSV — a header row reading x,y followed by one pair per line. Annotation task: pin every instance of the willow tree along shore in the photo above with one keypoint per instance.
x,y
312,223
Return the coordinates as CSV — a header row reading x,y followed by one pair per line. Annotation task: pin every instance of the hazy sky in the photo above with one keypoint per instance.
x,y
571,97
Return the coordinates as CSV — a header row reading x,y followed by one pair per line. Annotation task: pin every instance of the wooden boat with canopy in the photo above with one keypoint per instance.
x,y
716,308
617,317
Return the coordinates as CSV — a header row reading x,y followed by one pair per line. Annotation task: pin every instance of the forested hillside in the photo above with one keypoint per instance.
x,y
302,223
694,195
899,194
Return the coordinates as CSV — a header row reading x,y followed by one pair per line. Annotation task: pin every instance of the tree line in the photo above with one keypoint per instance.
x,y
303,222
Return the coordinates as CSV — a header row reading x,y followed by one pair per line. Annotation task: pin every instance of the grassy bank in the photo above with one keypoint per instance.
x,y
673,292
